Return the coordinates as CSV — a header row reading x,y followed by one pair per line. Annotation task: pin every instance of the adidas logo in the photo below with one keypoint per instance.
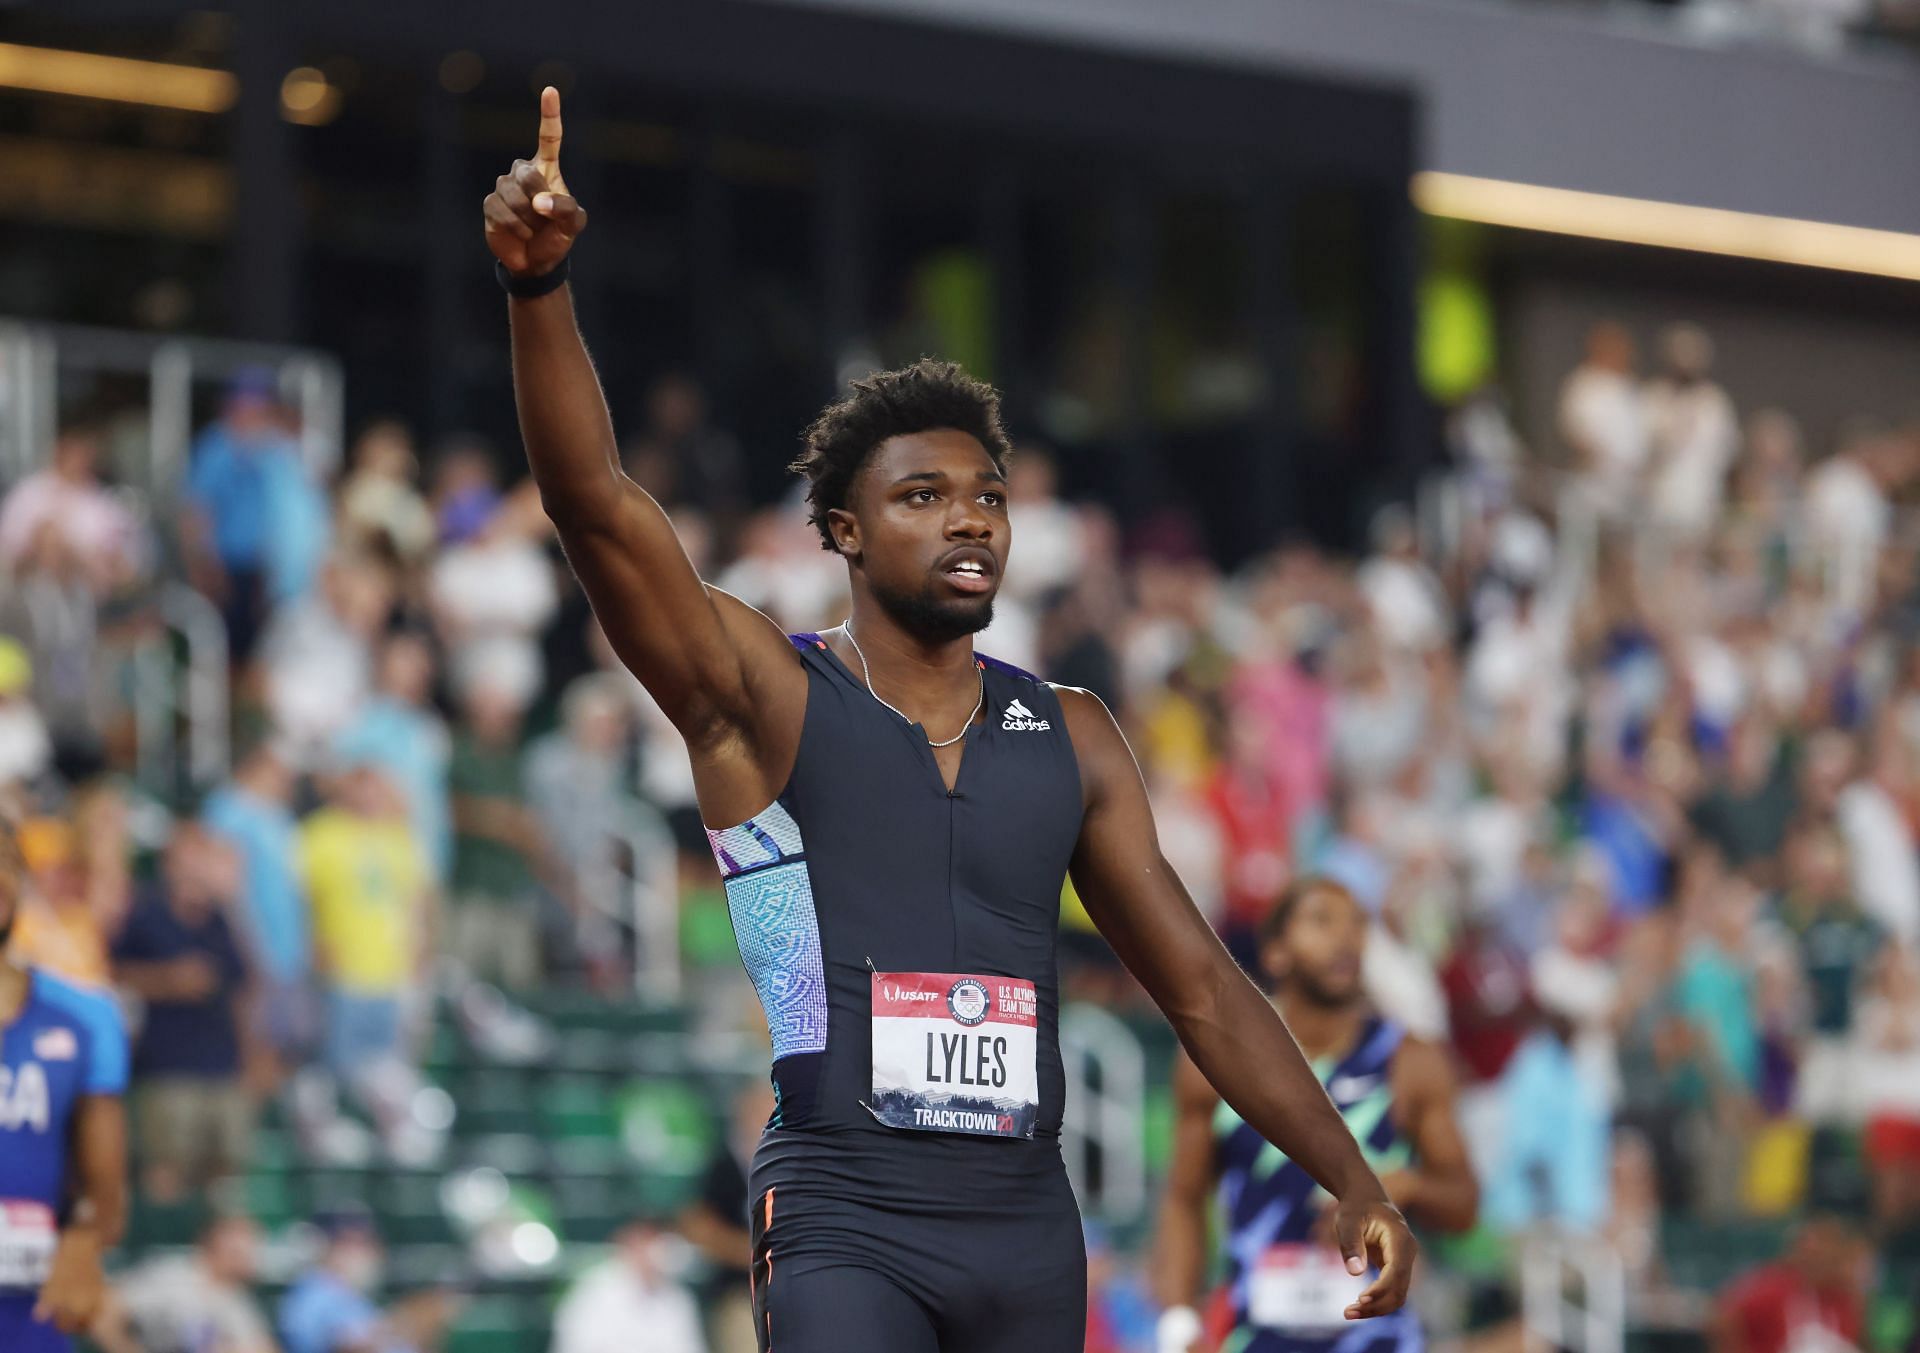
x,y
1019,719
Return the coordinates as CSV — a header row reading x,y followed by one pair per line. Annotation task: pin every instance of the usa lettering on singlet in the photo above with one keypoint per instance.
x,y
955,1052
64,1044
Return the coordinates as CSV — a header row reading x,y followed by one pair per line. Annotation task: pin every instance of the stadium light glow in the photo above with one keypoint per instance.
x,y
117,79
1669,225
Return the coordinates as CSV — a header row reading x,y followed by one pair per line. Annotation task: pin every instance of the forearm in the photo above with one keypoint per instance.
x,y
1243,1048
1180,1254
619,541
98,1209
722,1243
563,414
148,981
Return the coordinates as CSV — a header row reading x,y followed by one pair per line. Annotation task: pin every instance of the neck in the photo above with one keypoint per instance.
x,y
917,675
13,989
1319,1029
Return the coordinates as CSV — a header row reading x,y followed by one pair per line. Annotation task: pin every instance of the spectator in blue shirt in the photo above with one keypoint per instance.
x,y
1553,1156
252,814
399,731
330,1308
255,524
193,1114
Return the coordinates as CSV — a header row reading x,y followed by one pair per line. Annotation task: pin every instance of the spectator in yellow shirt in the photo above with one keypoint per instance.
x,y
372,905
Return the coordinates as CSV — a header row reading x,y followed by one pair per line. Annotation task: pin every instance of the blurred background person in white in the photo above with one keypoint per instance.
x,y
629,1301
1603,419
1694,434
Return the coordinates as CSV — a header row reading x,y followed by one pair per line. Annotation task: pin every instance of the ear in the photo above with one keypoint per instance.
x,y
845,529
1273,962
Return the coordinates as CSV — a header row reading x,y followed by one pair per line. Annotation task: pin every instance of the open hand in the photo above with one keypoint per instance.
x,y
531,219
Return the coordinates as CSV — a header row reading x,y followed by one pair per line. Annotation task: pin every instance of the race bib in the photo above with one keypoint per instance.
x,y
953,1052
1301,1287
28,1234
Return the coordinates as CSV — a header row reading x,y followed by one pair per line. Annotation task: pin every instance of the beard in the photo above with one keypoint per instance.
x,y
1333,995
931,618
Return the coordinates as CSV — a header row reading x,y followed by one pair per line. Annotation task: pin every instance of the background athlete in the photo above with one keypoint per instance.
x,y
894,859
63,1142
1396,1094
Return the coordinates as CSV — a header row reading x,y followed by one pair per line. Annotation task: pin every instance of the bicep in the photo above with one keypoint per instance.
x,y
661,620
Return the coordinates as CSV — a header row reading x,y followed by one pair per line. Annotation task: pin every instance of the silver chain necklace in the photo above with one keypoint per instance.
x,y
868,678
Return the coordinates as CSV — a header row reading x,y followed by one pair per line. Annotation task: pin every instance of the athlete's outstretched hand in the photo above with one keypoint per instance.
x,y
1373,1234
531,219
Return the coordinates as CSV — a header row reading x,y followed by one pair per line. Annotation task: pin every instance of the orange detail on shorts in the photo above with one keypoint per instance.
x,y
767,1223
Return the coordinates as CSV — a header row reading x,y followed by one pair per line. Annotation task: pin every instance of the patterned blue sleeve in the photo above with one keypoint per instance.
x,y
104,1031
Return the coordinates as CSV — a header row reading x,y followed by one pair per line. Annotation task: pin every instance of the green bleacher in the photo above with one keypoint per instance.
x,y
618,1122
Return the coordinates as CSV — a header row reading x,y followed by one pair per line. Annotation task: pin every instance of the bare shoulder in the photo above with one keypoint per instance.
x,y
1090,723
1098,744
1422,1069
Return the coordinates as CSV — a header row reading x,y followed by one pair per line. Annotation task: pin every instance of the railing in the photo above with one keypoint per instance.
x,y
1103,1136
177,704
642,895
36,360
1573,1294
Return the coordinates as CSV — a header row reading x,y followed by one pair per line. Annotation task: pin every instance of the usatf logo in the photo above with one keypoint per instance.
x,y
1019,719
968,1001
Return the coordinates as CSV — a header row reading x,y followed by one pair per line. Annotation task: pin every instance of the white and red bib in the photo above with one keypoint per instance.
x,y
955,1052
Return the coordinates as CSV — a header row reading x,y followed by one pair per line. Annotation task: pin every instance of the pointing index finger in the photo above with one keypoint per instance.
x,y
549,152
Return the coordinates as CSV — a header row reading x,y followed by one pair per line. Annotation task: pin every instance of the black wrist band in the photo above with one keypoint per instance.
x,y
526,288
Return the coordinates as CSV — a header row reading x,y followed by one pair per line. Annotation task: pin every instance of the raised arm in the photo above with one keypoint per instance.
x,y
1227,1026
722,672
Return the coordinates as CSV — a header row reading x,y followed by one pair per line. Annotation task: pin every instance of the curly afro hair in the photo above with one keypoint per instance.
x,y
919,398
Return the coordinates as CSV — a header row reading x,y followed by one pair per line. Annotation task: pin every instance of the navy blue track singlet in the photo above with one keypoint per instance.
x,y
1268,1200
867,863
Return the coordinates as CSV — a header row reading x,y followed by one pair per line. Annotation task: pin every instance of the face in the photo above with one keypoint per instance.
x,y
676,407
356,1258
927,529
1318,954
12,880
1826,1253
233,1250
492,713
250,417
1819,865
406,670
602,727
75,455
1609,346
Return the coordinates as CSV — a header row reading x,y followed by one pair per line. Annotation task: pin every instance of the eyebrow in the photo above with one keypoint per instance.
x,y
939,476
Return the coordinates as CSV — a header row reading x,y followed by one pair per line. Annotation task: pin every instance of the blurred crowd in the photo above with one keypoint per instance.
x,y
1623,756
1822,26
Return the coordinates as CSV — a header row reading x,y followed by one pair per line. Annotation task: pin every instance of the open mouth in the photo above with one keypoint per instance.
x,y
971,575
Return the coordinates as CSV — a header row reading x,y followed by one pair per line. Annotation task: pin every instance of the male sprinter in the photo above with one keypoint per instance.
x,y
63,1142
1285,1291
895,817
